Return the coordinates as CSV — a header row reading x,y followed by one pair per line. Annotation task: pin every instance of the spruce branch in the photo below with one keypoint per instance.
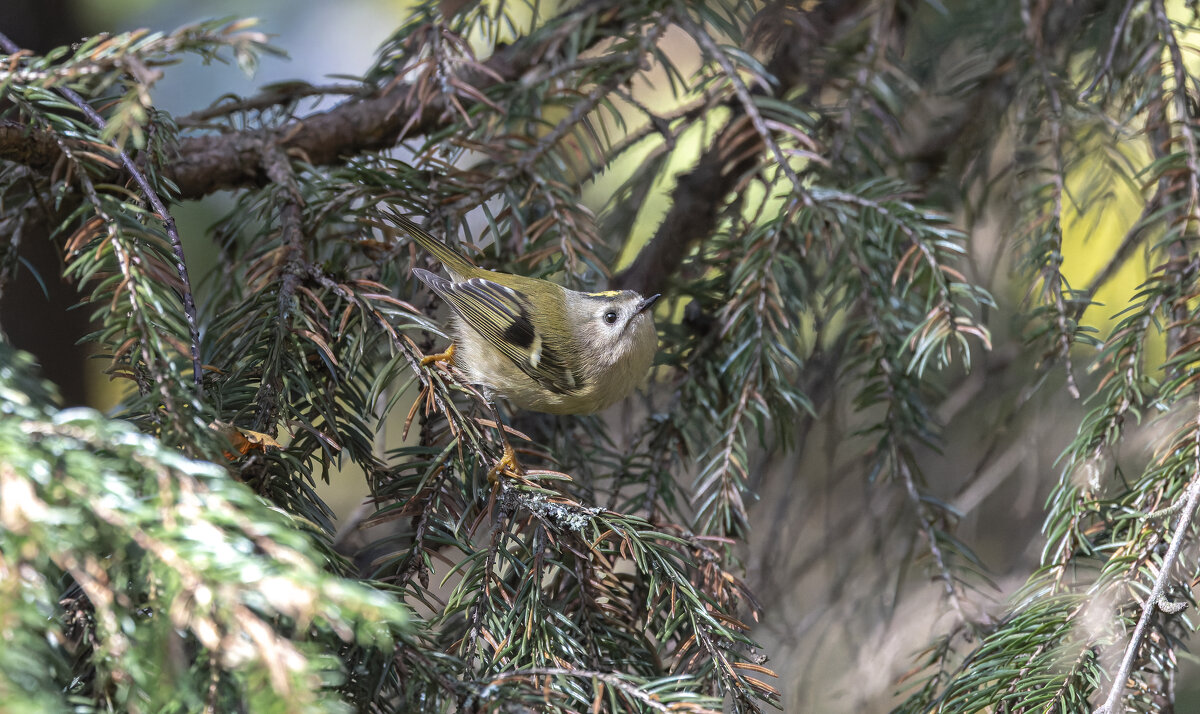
x,y
168,555
1053,283
151,197
1157,592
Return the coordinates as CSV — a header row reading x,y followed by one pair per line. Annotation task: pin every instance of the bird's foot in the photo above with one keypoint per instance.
x,y
440,357
506,466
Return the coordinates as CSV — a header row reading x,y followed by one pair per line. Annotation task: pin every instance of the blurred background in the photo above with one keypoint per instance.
x,y
839,626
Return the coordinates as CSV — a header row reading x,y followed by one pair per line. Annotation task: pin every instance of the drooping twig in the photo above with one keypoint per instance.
x,y
748,106
151,196
1106,65
945,574
1051,270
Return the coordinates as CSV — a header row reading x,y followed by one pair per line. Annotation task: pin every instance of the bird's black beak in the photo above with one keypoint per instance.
x,y
646,304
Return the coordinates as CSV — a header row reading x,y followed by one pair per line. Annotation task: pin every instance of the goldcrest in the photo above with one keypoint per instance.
x,y
542,346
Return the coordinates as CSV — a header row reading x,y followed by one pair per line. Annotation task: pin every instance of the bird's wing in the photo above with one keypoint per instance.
x,y
504,317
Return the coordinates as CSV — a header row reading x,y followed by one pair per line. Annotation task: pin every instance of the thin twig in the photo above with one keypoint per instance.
x,y
944,574
125,264
525,163
743,94
1133,239
290,267
270,97
1106,65
647,698
151,196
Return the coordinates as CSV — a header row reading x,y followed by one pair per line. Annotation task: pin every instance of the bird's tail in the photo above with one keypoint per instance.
x,y
450,258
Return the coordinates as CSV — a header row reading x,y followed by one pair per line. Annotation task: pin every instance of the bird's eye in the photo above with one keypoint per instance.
x,y
610,317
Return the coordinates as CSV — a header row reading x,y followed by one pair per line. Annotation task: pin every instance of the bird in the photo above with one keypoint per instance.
x,y
541,346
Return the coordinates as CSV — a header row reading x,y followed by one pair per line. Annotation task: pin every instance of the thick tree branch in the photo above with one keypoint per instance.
x,y
210,163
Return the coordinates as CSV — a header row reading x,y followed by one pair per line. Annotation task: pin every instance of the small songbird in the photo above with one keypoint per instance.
x,y
538,344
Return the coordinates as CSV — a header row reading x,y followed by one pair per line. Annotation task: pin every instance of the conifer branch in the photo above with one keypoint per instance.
x,y
1112,703
1053,283
151,196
